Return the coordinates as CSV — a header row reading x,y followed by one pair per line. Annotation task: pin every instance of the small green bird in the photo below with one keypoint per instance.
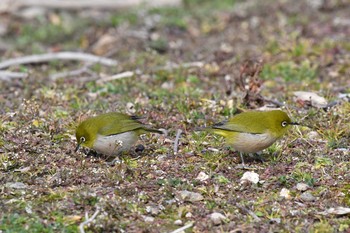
x,y
253,131
111,133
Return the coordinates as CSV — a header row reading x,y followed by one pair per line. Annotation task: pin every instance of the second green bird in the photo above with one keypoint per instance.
x,y
111,133
251,132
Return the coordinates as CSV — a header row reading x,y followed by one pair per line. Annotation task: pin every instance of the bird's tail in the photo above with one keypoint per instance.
x,y
151,130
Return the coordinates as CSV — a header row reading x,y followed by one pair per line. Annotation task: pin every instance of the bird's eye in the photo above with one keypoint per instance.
x,y
284,123
82,139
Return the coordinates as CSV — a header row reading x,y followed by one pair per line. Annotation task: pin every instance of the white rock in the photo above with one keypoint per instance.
x,y
314,99
312,135
202,176
148,219
302,187
190,196
251,177
285,193
217,218
178,222
307,197
153,210
188,215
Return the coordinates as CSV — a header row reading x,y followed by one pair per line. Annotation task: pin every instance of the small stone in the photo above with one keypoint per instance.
x,y
167,85
188,215
148,219
16,185
302,187
202,176
285,193
217,218
190,196
178,222
312,135
251,177
153,210
307,196
29,209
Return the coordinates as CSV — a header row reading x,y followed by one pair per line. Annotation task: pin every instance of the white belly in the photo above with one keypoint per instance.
x,y
252,143
115,144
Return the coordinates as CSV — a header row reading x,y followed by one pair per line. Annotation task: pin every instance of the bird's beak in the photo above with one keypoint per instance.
x,y
77,148
294,123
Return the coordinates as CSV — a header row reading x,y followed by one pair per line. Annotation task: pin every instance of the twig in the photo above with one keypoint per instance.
x,y
58,56
6,75
172,66
251,213
275,102
177,138
181,229
88,220
79,4
125,74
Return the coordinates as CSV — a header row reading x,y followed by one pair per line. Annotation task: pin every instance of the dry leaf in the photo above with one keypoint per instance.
x,y
337,211
310,98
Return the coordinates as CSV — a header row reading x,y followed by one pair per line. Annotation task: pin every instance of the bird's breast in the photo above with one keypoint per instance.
x,y
252,143
115,144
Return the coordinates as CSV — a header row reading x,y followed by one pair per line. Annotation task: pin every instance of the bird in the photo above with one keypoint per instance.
x,y
253,131
111,133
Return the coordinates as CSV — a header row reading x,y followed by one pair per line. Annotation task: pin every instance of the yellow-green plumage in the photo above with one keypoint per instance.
x,y
110,133
253,131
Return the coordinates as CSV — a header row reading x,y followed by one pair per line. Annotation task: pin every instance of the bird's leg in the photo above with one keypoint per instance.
x,y
242,160
242,165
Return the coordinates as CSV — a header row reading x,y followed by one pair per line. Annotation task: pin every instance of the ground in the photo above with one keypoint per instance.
x,y
230,56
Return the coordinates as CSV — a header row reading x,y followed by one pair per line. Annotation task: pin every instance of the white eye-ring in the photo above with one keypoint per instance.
x,y
82,139
284,123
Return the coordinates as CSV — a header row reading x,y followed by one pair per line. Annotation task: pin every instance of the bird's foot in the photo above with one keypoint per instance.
x,y
114,162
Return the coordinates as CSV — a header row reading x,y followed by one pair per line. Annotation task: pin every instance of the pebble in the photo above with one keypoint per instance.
x,y
251,177
285,193
178,222
307,196
148,219
190,196
302,187
202,176
217,218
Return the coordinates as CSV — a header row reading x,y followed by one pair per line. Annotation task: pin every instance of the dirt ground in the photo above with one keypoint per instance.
x,y
181,68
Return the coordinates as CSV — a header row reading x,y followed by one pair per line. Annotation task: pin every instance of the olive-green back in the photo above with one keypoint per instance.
x,y
255,122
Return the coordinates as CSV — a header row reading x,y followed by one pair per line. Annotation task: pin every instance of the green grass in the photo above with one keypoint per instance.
x,y
16,223
290,71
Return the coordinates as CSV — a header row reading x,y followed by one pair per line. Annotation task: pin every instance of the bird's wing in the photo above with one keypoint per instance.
x,y
241,127
120,126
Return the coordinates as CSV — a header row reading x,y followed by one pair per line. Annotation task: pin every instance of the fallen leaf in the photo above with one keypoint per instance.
x,y
337,211
310,98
